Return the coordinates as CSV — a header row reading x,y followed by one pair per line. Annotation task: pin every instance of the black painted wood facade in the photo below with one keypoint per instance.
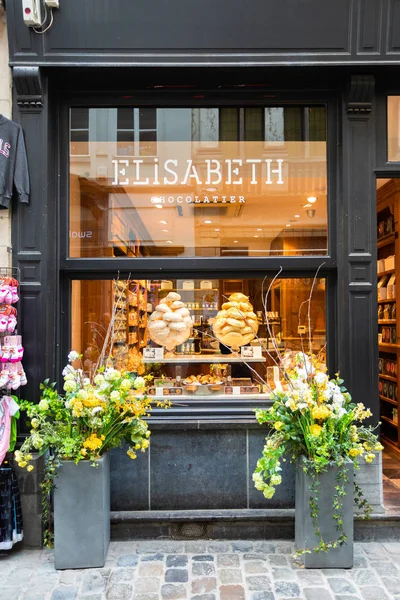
x,y
346,52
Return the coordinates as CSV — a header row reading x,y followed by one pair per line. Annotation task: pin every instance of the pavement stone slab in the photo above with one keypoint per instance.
x,y
202,570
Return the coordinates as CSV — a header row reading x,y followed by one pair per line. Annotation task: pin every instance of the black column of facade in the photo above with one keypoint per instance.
x,y
34,235
357,301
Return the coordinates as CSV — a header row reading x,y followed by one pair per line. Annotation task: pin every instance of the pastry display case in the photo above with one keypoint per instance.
x,y
200,339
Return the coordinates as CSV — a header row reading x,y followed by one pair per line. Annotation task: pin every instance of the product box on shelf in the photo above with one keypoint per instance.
x,y
390,391
395,416
391,288
393,335
381,265
382,287
380,366
389,263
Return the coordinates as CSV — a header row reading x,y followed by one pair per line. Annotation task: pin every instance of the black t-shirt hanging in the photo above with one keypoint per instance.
x,y
13,163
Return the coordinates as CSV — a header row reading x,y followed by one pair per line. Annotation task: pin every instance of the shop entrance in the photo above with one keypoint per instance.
x,y
388,266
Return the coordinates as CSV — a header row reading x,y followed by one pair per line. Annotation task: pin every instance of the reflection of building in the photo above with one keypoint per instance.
x,y
194,166
310,87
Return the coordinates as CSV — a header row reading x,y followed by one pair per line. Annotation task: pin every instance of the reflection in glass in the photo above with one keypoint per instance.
x,y
198,182
279,326
393,128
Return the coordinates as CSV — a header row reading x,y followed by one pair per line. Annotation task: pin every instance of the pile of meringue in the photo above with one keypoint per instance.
x,y
170,324
236,324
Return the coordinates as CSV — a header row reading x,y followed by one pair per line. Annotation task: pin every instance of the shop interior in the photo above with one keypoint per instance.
x,y
213,337
388,254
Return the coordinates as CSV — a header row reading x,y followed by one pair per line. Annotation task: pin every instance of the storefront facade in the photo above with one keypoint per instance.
x,y
202,149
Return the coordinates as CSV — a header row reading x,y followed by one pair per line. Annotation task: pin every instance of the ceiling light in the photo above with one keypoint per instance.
x,y
207,221
235,241
170,242
163,222
216,229
312,199
158,205
288,225
259,229
307,205
165,230
297,216
256,236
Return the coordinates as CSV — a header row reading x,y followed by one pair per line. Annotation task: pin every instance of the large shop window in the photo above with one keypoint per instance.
x,y
198,182
200,337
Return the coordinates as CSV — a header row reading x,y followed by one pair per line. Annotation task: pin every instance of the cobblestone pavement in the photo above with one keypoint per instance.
x,y
202,570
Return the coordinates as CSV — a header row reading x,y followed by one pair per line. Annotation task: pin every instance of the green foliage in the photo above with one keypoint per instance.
x,y
314,419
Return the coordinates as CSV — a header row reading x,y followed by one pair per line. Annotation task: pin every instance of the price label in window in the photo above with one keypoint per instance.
x,y
251,352
153,354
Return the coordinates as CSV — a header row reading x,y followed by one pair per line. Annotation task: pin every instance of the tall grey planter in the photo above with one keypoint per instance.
x,y
82,514
337,558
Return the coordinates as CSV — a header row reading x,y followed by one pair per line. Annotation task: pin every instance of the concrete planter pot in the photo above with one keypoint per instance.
x,y
337,558
82,514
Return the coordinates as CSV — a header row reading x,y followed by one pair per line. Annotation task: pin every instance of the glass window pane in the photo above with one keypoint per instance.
x,y
79,118
254,124
204,345
228,124
125,118
147,118
394,128
293,123
125,136
317,124
182,191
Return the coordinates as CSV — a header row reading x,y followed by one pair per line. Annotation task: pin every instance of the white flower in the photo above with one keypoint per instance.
x,y
96,409
139,383
99,379
104,387
320,378
115,395
83,395
70,386
302,374
111,374
68,370
86,381
126,384
69,377
73,355
43,405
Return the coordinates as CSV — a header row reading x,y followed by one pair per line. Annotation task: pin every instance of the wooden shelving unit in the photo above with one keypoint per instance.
x,y
388,215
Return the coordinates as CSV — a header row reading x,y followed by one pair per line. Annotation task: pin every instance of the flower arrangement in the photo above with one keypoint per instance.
x,y
313,417
93,416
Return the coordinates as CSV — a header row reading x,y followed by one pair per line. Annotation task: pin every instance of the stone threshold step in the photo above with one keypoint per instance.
x,y
257,524
184,516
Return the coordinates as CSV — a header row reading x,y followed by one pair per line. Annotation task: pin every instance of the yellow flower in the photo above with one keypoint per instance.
x,y
131,454
369,457
367,446
145,443
29,468
354,452
83,451
92,442
268,492
23,463
278,425
378,447
321,413
315,430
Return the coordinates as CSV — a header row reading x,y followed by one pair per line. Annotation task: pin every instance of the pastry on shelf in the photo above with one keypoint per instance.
x,y
170,324
236,324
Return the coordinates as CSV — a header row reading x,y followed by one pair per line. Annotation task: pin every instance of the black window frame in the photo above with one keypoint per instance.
x,y
237,410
